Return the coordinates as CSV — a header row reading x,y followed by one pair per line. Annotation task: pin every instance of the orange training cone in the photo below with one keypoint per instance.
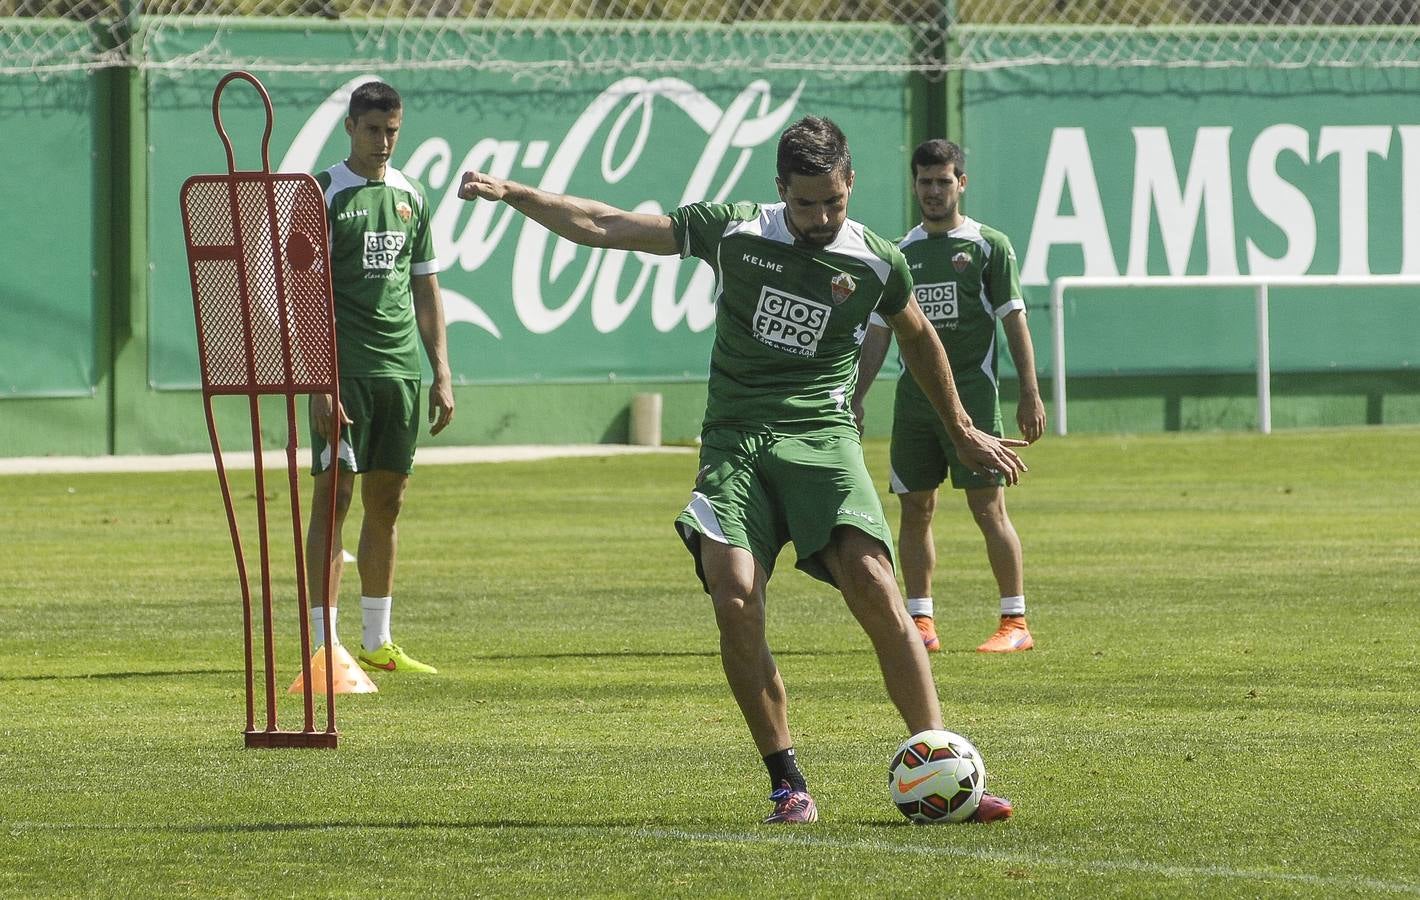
x,y
349,677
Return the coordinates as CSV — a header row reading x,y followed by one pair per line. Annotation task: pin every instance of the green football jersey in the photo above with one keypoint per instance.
x,y
379,237
966,280
789,318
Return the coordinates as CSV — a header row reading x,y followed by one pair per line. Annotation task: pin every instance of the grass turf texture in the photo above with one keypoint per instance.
x,y
1222,703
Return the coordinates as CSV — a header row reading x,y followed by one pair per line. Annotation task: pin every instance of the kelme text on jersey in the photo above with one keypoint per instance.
x,y
763,263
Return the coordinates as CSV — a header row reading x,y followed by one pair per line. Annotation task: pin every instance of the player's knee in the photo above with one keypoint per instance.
x,y
737,611
863,567
343,497
320,497
918,506
383,502
386,509
990,513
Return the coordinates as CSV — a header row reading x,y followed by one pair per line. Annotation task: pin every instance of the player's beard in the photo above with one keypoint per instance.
x,y
938,213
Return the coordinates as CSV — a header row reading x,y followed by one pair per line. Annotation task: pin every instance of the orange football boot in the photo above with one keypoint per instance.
x,y
1013,635
928,630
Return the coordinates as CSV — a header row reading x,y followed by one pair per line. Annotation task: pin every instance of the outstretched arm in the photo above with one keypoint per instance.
x,y
870,362
588,222
927,362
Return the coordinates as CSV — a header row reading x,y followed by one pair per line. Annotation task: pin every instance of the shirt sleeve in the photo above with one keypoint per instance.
x,y
699,227
898,287
1003,278
423,262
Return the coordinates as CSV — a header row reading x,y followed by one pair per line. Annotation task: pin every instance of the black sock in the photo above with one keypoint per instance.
x,y
784,769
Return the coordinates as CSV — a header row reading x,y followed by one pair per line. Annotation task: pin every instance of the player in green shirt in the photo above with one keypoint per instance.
x,y
387,303
780,457
966,281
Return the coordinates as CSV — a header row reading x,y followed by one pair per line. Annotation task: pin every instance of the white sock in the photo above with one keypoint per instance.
x,y
1013,606
318,628
376,616
919,606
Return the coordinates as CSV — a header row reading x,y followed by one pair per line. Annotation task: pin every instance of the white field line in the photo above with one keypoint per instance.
x,y
803,839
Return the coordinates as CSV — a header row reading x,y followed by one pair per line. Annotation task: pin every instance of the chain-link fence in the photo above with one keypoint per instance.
x,y
573,37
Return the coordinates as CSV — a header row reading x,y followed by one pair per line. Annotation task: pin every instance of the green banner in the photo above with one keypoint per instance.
x,y
1156,171
522,305
48,312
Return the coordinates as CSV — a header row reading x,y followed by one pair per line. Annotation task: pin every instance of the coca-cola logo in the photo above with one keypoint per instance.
x,y
542,261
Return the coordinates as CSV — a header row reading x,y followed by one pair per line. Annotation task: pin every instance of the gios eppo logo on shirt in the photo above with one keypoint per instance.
x,y
790,323
938,301
382,249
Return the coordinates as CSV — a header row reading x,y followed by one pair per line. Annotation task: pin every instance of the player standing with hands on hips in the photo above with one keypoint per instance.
x,y
780,457
387,303
966,280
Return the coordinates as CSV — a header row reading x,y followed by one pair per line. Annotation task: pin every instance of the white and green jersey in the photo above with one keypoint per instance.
x,y
966,280
379,237
790,318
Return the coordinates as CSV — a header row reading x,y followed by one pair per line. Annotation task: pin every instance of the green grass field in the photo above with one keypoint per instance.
x,y
1223,701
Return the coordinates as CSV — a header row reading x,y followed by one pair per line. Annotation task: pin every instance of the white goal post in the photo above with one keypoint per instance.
x,y
1260,285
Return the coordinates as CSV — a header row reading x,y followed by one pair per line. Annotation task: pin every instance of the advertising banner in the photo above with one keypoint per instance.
x,y
48,303
1153,171
522,305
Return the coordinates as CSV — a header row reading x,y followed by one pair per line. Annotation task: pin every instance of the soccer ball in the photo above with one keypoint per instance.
x,y
936,777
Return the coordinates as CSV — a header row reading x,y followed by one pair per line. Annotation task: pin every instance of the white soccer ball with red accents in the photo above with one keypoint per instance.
x,y
936,777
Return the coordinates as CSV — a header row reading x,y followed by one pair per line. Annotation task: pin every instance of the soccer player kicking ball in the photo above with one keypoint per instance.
x,y
780,457
387,303
966,280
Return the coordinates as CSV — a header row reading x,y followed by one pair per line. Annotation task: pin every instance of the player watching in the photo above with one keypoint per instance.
x,y
967,280
387,302
781,458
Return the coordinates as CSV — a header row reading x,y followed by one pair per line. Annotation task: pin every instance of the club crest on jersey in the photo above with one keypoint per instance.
x,y
961,260
404,211
843,287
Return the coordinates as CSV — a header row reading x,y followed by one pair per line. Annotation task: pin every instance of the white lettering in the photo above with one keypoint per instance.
x,y
763,263
1353,146
1068,166
938,302
696,306
789,322
1410,198
482,234
1209,188
1282,202
743,126
382,249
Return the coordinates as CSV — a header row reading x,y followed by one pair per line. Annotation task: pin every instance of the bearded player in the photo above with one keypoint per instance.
x,y
780,455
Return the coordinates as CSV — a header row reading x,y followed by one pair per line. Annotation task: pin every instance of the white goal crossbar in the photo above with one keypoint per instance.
x,y
1260,285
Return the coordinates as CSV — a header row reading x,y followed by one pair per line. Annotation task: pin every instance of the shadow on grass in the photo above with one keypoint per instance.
x,y
86,676
591,654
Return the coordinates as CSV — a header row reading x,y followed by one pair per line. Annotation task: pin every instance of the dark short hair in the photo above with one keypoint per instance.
x,y
938,152
374,95
813,146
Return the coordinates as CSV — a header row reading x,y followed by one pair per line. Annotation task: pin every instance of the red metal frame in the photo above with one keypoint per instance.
x,y
258,260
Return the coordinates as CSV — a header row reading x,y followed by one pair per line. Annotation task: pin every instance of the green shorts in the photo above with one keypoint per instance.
x,y
923,456
759,491
383,429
